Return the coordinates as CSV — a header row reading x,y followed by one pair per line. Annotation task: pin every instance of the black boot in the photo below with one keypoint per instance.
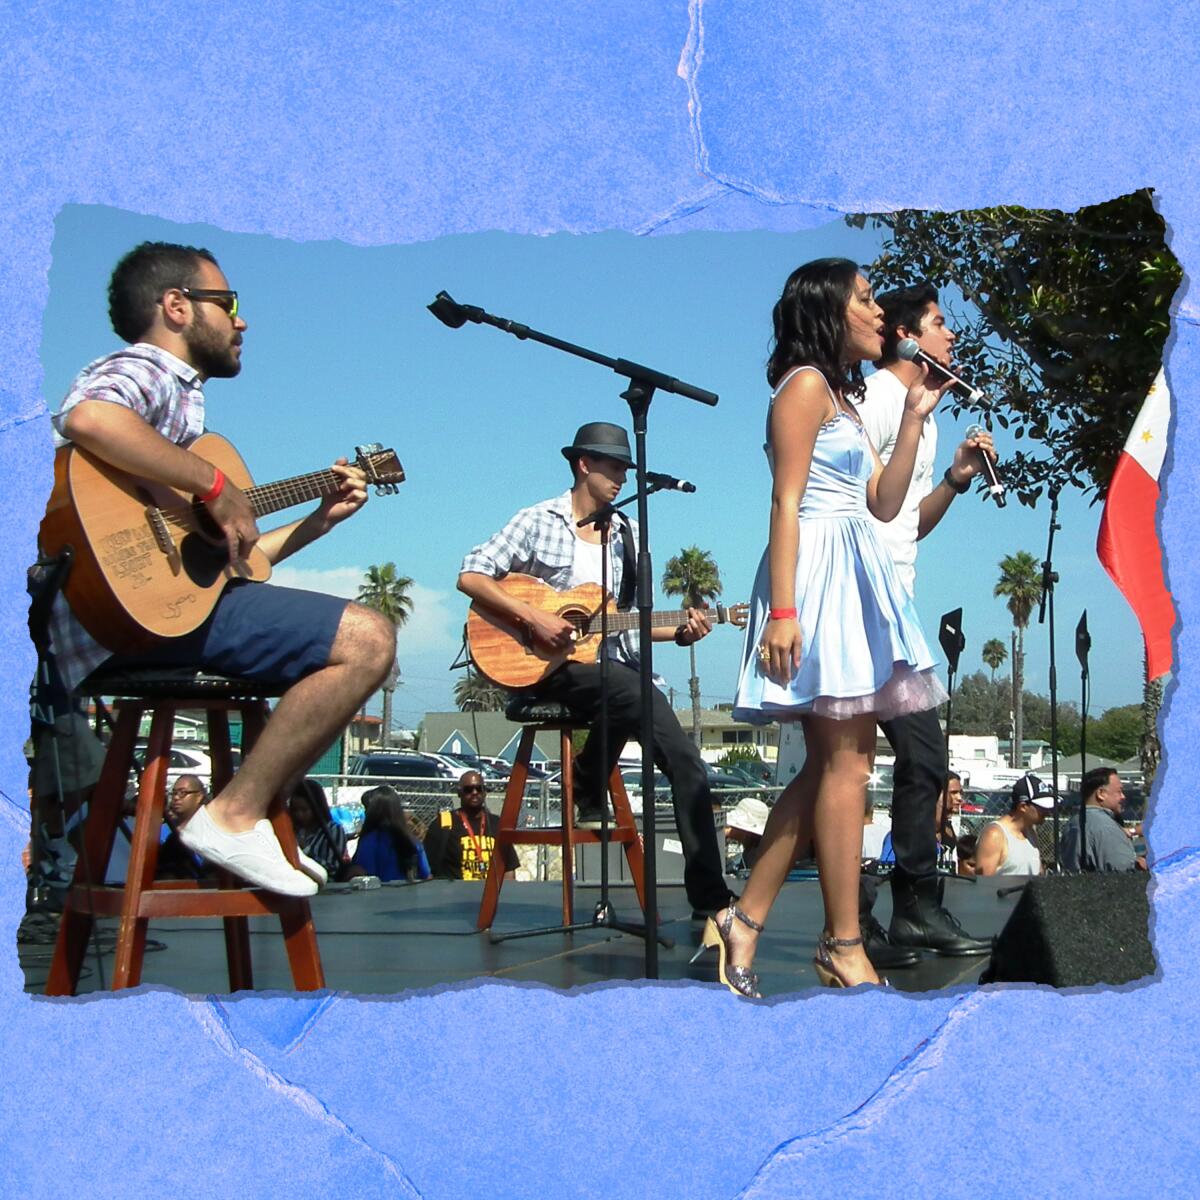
x,y
921,923
884,954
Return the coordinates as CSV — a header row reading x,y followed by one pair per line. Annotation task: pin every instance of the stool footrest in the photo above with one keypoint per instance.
x,y
182,901
552,835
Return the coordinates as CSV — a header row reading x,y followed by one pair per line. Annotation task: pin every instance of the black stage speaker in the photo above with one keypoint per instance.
x,y
1076,930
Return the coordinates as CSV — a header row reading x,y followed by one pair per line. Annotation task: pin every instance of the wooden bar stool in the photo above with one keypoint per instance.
x,y
537,717
163,691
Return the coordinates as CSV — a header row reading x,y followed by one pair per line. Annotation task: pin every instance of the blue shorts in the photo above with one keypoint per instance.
x,y
275,635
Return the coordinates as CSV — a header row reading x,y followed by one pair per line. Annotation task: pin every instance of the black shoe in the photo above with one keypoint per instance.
x,y
702,914
884,955
919,922
591,816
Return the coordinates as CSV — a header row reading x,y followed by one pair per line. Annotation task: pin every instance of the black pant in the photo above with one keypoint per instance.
x,y
577,685
917,780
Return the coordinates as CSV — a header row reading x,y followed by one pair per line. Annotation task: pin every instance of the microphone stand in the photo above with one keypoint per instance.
x,y
1083,644
1049,579
950,638
952,641
643,382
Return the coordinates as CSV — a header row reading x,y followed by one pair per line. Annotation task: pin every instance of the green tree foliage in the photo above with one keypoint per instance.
x,y
388,593
693,574
736,755
1068,316
1021,581
474,693
981,708
1116,734
994,653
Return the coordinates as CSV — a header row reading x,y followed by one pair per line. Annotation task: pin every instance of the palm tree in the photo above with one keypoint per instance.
x,y
1021,581
993,654
474,693
387,593
693,574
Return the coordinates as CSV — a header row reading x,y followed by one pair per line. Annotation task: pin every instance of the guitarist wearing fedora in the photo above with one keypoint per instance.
x,y
137,410
544,541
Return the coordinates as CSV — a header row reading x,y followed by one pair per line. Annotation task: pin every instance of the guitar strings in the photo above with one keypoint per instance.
x,y
273,495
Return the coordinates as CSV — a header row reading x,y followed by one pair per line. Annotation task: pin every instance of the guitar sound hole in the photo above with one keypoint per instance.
x,y
202,561
579,619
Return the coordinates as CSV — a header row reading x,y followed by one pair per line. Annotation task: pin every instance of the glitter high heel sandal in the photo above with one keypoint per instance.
x,y
741,980
823,961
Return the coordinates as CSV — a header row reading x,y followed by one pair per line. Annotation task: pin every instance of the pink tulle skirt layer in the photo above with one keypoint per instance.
x,y
907,691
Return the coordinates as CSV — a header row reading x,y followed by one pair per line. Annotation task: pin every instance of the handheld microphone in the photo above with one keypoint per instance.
x,y
669,483
995,487
908,350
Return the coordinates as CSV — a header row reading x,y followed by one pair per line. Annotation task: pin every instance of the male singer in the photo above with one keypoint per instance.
x,y
919,922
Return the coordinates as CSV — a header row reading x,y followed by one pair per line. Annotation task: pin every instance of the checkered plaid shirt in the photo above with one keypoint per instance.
x,y
165,392
540,541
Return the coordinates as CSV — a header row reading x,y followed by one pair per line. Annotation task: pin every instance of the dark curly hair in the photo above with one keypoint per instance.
x,y
810,324
140,278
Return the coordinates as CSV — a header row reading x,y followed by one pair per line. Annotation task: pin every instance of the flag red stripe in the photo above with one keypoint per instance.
x,y
1129,550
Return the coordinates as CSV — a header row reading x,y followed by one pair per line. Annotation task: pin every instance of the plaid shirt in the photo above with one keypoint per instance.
x,y
540,541
165,392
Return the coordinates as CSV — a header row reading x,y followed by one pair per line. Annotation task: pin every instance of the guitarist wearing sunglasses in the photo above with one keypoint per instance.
x,y
544,542
138,410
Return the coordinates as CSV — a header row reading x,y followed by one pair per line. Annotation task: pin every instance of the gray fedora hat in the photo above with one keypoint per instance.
x,y
602,440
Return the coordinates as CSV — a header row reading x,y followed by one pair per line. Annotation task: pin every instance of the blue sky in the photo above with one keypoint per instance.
x,y
340,350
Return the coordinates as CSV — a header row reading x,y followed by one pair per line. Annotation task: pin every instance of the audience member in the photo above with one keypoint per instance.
x,y
175,860
460,844
967,844
1109,847
388,846
744,825
1005,846
317,833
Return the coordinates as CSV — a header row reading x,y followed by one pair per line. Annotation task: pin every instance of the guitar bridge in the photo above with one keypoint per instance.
x,y
158,527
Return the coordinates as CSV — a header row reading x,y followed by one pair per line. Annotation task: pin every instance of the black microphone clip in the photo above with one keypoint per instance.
x,y
668,483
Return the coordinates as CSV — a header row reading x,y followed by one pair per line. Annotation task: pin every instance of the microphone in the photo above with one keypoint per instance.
x,y
995,487
669,483
908,350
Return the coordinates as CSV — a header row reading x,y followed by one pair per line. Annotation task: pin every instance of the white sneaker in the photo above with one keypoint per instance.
x,y
310,866
255,856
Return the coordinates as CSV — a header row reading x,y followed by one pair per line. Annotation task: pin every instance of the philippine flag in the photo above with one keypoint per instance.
x,y
1128,542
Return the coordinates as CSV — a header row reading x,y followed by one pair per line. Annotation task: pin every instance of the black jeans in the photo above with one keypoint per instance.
x,y
577,685
917,781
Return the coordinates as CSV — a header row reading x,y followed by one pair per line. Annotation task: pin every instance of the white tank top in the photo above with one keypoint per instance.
x,y
1022,858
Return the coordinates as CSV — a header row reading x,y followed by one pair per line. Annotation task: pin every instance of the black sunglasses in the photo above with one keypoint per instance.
x,y
470,787
221,297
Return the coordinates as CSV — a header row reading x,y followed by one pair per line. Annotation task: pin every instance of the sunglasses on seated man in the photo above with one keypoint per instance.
x,y
221,297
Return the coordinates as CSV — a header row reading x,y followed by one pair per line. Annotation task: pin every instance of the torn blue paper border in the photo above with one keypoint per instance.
x,y
393,123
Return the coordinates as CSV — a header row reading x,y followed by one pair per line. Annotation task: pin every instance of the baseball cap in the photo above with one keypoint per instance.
x,y
1031,790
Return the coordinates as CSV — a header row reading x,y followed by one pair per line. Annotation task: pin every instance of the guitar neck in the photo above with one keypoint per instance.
x,y
271,497
620,621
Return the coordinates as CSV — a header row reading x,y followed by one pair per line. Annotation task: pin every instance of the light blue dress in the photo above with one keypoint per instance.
x,y
863,649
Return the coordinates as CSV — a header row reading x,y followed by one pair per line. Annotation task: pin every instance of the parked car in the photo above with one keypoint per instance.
x,y
427,781
979,803
195,760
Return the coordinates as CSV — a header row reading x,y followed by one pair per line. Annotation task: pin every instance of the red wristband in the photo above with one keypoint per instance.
x,y
218,485
783,614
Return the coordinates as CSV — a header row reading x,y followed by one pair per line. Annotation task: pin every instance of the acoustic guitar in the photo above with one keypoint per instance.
x,y
149,562
504,651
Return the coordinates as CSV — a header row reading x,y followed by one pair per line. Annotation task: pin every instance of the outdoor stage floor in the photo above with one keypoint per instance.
x,y
414,936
